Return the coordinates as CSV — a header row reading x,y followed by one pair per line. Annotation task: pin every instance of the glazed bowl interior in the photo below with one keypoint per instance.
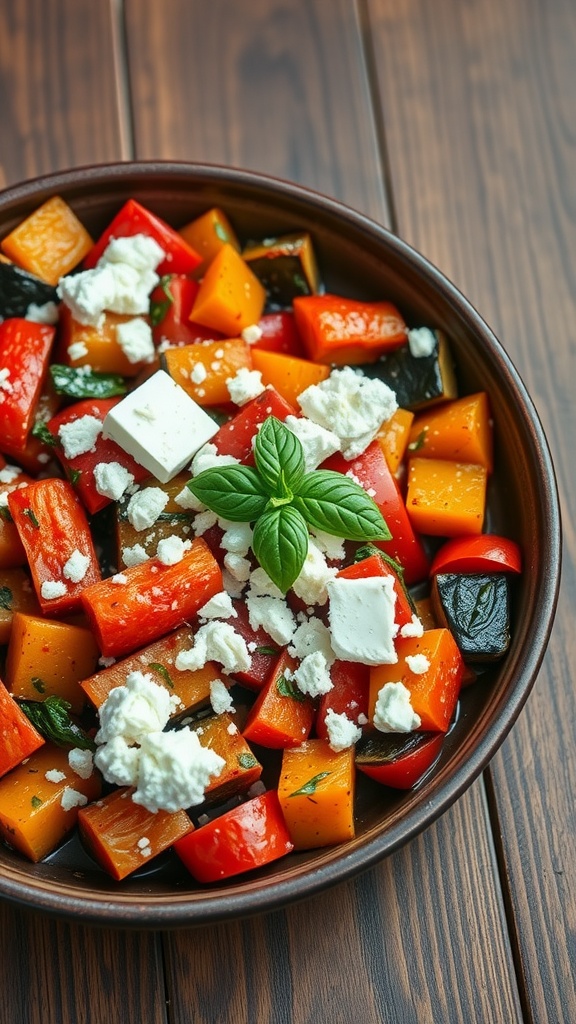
x,y
357,258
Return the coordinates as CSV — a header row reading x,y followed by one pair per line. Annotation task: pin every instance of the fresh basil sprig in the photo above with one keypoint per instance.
x,y
282,500
52,720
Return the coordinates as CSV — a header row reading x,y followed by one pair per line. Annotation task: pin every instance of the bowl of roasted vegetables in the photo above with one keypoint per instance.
x,y
279,543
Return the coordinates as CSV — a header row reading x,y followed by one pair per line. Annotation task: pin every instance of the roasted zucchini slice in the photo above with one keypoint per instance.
x,y
286,266
475,607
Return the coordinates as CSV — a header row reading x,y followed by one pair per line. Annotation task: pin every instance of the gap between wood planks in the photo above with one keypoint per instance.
x,y
124,98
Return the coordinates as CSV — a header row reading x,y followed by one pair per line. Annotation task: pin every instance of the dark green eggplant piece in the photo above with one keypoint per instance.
x,y
285,266
476,608
19,289
418,381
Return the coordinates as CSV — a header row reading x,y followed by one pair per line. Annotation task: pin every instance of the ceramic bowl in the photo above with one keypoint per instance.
x,y
359,258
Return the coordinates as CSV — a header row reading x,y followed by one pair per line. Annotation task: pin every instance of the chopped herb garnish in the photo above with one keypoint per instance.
x,y
310,787
38,684
287,688
77,382
246,760
6,514
221,232
74,475
162,671
6,598
29,513
418,443
267,649
36,802
52,720
40,431
159,309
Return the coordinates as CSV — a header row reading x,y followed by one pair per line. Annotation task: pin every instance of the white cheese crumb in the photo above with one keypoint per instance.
x,y
8,474
262,585
351,406
342,733
218,607
311,636
422,342
313,675
143,843
139,707
47,313
135,340
79,436
54,775
76,566
118,761
251,334
198,373
216,641
412,628
417,663
72,798
220,698
310,585
51,589
187,500
135,555
274,615
237,538
145,506
332,547
207,457
317,442
174,770
171,550
244,385
77,350
112,479
81,762
394,711
237,566
204,521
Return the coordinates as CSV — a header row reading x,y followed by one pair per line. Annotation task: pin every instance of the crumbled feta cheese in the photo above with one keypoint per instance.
x,y
361,619
54,775
313,675
220,698
79,436
332,547
413,628
142,252
353,407
143,843
262,586
204,521
421,341
47,313
76,566
216,641
51,589
198,373
171,550
237,538
187,500
159,425
207,457
317,442
72,798
218,607
394,711
417,663
5,382
135,555
232,586
251,334
139,707
310,585
274,615
342,733
174,770
237,566
77,350
8,474
118,761
112,479
244,385
312,635
145,506
135,340
81,762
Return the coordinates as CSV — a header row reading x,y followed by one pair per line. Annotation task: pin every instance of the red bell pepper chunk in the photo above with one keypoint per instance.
x,y
372,470
282,715
341,330
18,737
171,303
348,696
402,760
135,219
263,651
242,839
150,600
24,356
80,469
486,552
374,565
52,525
235,437
279,334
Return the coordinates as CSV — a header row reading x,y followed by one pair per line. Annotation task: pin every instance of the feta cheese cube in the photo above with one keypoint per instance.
x,y
160,426
361,619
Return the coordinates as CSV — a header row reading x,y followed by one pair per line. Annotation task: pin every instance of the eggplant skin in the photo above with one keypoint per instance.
x,y
476,609
19,289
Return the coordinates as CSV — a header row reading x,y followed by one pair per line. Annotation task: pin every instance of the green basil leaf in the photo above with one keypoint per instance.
x,y
40,430
310,787
233,492
74,382
287,688
280,543
36,802
159,309
51,719
279,457
334,503
162,671
6,598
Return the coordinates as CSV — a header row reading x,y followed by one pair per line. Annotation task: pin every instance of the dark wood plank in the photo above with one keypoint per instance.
x,y
279,86
478,106
59,100
55,973
283,961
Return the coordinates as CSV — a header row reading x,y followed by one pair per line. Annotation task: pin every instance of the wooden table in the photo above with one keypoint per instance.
x,y
453,122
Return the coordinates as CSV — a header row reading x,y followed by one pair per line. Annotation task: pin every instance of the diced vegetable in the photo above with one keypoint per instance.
x,y
282,715
18,736
399,761
445,498
286,266
346,331
47,657
475,608
230,296
288,375
393,437
16,595
135,219
207,234
50,242
460,430
241,768
316,793
19,290
203,369
96,347
24,354
487,552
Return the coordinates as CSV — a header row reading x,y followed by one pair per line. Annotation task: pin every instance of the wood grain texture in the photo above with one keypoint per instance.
x,y
278,86
404,943
478,106
59,100
54,973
